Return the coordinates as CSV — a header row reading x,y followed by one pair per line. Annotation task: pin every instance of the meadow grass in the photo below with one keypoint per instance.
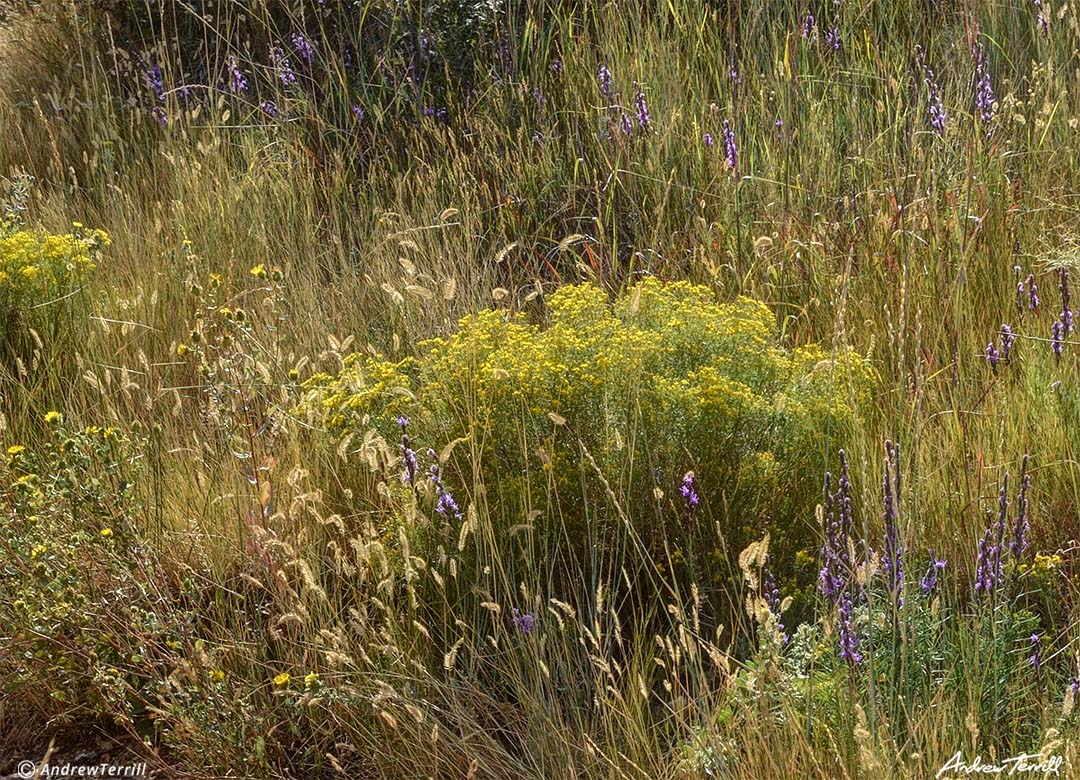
x,y
273,600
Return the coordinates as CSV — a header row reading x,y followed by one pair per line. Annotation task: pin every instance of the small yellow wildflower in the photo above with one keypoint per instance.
x,y
259,271
109,433
15,450
216,675
30,271
77,225
106,533
181,349
282,679
310,679
52,418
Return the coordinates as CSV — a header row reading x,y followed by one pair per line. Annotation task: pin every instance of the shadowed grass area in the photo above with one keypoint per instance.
x,y
291,190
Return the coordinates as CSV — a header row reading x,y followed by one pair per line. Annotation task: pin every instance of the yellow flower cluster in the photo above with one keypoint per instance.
x,y
35,268
669,354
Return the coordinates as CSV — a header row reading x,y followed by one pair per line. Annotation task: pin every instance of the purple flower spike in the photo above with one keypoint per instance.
x,y
708,140
993,356
1018,542
893,558
985,101
237,80
408,456
849,640
643,118
688,491
808,25
930,580
1008,338
281,64
603,78
524,622
1036,655
731,151
303,47
155,81
833,40
1057,338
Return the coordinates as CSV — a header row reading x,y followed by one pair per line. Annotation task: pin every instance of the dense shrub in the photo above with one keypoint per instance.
x,y
81,613
38,274
602,412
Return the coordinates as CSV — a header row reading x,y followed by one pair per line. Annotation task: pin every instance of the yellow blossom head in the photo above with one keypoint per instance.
x,y
53,418
310,679
106,533
281,680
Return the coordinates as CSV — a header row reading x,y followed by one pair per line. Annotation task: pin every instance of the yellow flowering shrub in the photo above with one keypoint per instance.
x,y
36,268
81,611
663,381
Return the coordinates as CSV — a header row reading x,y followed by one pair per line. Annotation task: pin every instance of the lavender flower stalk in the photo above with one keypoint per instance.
x,y
731,151
985,101
643,118
445,504
1066,301
771,592
524,622
303,47
849,640
603,78
281,64
1036,652
689,492
893,560
1018,538
930,580
837,565
237,80
1032,289
408,456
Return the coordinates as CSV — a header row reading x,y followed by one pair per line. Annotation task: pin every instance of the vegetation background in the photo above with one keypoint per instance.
x,y
200,557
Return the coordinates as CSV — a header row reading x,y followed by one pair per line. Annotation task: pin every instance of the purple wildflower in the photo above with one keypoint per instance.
x,y
1036,655
893,560
771,592
269,107
929,581
303,47
779,125
1040,18
626,124
1008,338
808,25
689,492
557,66
993,356
1075,686
524,622
603,78
408,455
985,101
155,81
160,115
445,504
1066,301
1057,340
281,65
708,140
836,563
1018,541
358,113
988,565
833,39
1032,289
849,640
642,111
731,151
237,80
